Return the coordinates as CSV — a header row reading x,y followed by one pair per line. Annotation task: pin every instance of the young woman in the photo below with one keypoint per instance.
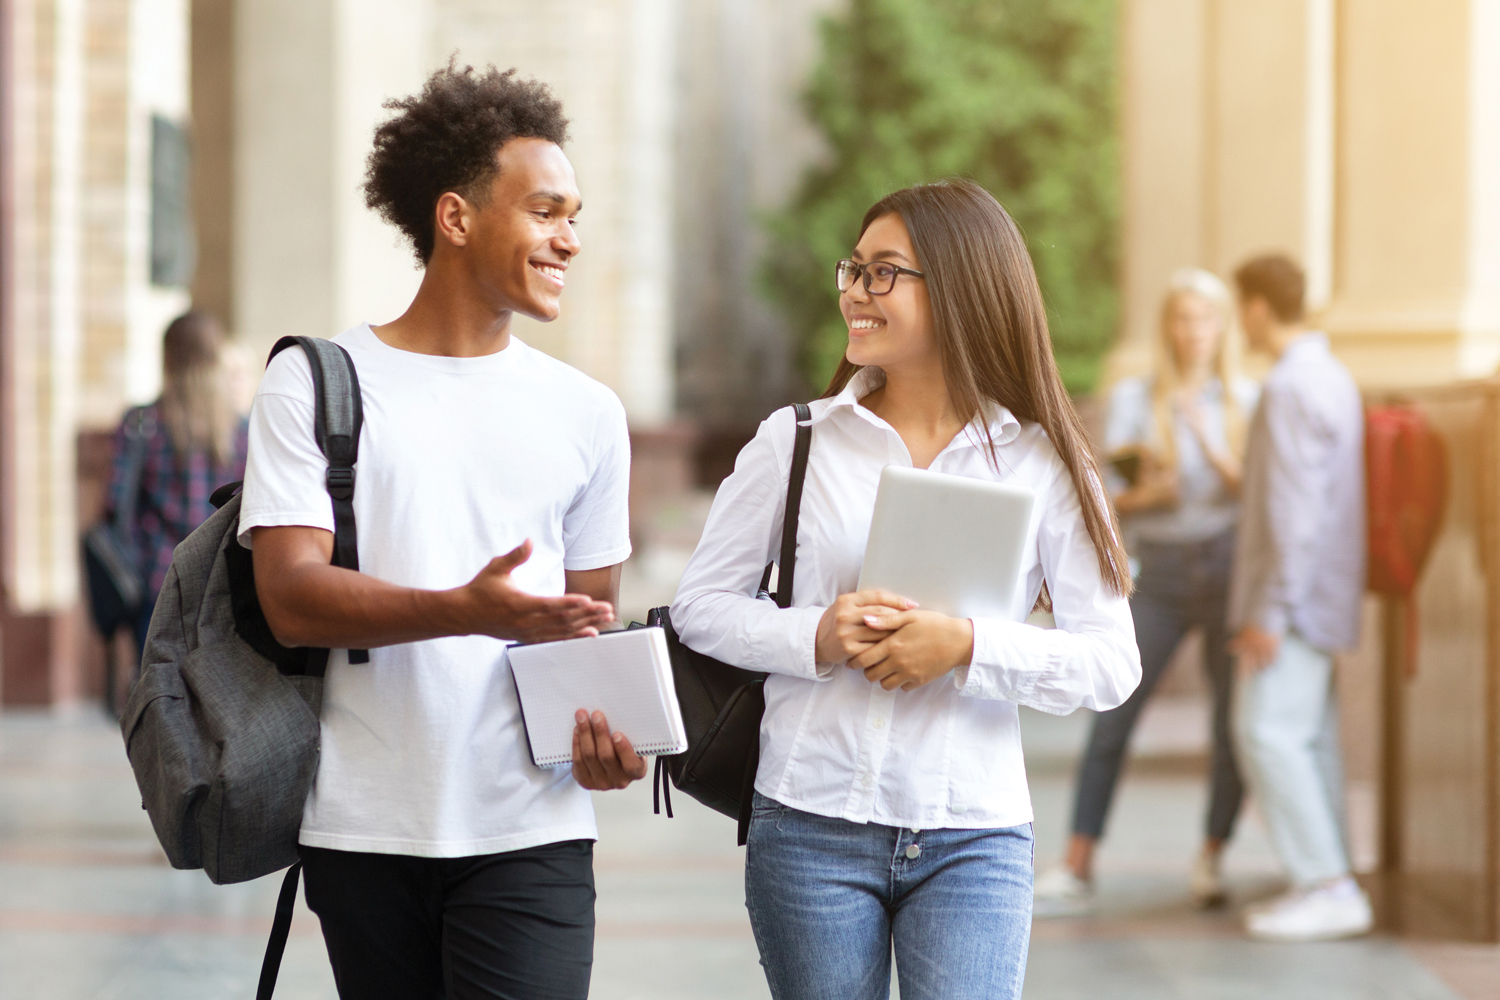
x,y
1184,427
891,802
196,442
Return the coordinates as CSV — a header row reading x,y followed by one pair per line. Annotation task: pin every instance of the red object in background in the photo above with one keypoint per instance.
x,y
1406,470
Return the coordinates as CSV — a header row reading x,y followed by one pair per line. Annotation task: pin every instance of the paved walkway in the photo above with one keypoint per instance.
x,y
89,909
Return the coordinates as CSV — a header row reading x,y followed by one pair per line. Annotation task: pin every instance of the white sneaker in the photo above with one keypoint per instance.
x,y
1057,892
1336,910
1207,882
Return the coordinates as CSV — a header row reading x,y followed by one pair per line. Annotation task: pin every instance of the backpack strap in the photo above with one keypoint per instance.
x,y
787,559
140,428
281,926
336,427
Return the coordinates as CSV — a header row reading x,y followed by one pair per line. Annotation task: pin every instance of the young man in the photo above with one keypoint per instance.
x,y
1295,596
491,505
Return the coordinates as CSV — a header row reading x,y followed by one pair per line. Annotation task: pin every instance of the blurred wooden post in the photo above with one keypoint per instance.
x,y
1440,829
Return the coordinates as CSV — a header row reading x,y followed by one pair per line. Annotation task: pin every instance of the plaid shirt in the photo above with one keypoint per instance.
x,y
173,499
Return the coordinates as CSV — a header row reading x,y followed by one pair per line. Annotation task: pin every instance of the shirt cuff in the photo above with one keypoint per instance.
x,y
793,641
999,647
1273,618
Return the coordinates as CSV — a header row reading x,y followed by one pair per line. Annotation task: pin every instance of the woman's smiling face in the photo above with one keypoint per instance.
x,y
895,328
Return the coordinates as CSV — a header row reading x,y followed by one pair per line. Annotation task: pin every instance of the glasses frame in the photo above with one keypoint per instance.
x,y
862,273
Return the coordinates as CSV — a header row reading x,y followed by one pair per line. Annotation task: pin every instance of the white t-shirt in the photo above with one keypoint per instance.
x,y
460,460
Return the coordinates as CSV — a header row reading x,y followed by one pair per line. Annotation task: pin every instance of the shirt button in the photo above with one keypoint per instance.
x,y
879,723
913,852
866,780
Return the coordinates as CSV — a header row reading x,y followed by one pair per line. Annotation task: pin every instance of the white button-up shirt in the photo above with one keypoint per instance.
x,y
947,754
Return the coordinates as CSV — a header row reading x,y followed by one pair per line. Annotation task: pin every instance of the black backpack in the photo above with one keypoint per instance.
x,y
222,726
722,704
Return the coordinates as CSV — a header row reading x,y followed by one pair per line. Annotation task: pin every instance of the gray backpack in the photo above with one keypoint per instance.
x,y
222,726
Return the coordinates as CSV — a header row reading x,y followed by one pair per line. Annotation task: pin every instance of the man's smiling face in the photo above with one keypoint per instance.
x,y
523,240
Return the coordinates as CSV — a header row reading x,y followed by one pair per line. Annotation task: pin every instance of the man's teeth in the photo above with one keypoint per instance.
x,y
864,324
555,273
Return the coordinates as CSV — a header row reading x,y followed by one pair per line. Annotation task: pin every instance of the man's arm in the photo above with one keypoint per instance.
x,y
603,585
1294,490
308,602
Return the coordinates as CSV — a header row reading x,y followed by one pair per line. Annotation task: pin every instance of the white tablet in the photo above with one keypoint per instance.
x,y
950,543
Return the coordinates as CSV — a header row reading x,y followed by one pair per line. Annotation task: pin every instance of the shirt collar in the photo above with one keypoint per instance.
x,y
1002,424
1311,340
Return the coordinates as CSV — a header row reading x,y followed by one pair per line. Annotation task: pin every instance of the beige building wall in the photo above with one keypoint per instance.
x,y
1360,137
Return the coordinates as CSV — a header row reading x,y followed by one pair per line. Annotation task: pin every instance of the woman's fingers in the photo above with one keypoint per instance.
x,y
885,598
871,656
887,620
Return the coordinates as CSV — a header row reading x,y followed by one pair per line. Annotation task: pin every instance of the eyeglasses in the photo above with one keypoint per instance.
x,y
879,275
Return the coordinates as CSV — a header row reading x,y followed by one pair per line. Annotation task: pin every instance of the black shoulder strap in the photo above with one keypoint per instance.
x,y
286,901
787,563
140,428
336,426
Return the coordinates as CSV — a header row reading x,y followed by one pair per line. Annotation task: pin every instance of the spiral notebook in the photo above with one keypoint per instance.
x,y
627,675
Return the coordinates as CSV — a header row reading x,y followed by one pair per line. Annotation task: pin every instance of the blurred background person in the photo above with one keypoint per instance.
x,y
1174,438
195,441
1299,579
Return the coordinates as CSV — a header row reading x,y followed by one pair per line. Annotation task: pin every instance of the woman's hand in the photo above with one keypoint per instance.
x,y
1155,486
1225,464
918,647
842,631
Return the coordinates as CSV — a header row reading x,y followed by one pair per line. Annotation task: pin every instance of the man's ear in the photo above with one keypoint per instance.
x,y
453,219
1253,310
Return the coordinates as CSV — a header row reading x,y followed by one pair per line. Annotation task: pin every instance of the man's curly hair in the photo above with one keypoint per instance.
x,y
446,139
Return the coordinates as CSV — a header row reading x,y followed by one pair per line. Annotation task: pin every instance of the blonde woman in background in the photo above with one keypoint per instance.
x,y
1175,438
195,441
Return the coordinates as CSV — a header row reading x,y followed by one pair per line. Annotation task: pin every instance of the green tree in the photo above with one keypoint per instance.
x,y
1018,95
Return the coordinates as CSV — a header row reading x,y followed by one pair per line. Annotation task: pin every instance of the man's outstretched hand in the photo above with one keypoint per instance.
x,y
603,761
499,608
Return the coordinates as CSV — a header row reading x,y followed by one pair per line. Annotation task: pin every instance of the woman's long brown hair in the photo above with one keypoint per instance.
x,y
991,328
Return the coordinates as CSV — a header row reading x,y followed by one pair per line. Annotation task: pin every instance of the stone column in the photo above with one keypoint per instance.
x,y
613,64
38,562
1361,138
1417,248
1227,151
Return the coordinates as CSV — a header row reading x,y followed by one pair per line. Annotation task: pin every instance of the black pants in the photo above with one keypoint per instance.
x,y
1182,586
518,926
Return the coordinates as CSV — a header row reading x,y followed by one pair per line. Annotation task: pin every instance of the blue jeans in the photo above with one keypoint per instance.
x,y
828,898
1182,586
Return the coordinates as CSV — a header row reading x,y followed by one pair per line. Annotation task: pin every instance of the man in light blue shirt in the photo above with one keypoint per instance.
x,y
1294,600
